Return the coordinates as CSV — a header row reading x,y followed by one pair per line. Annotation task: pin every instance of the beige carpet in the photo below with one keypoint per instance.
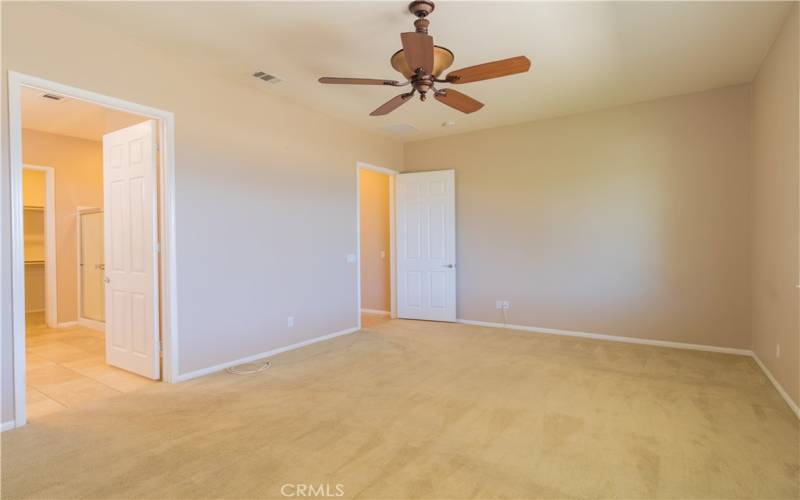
x,y
414,409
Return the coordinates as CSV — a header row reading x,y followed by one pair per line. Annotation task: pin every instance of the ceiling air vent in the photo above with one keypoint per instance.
x,y
266,77
52,97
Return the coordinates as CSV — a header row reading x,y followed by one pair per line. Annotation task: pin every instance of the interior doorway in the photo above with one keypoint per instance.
x,y
75,360
376,274
112,210
91,268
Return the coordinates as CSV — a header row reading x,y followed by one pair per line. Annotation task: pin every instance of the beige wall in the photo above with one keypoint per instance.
x,y
265,190
375,293
776,185
34,184
629,221
78,167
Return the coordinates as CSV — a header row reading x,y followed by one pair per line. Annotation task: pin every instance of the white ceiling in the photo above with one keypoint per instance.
x,y
71,117
586,55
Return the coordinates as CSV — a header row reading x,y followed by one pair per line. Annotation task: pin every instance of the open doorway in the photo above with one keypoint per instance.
x,y
92,210
70,361
376,243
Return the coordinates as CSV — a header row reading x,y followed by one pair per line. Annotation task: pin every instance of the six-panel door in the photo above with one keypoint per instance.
x,y
129,182
426,256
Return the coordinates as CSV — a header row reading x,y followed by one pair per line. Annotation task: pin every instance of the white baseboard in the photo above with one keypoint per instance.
x,y
792,405
659,343
375,311
249,359
612,338
7,426
92,324
67,324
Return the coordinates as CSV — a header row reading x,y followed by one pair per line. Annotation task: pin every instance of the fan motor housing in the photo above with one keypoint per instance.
x,y
442,59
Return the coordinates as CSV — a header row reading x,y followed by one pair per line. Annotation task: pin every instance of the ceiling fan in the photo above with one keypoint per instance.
x,y
421,63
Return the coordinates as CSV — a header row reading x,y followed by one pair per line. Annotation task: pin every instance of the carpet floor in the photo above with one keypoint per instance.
x,y
407,409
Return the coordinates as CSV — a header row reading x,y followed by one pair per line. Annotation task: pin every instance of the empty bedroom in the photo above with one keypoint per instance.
x,y
384,250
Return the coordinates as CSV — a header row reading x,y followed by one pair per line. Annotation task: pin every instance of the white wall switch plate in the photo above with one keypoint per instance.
x,y
290,321
351,257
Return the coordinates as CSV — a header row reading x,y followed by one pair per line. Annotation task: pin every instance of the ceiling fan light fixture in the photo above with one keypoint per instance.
x,y
422,64
442,59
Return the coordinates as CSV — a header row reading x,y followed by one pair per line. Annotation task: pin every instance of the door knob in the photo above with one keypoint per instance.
x,y
450,266
107,279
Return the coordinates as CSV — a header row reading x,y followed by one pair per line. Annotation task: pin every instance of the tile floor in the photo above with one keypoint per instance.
x,y
66,367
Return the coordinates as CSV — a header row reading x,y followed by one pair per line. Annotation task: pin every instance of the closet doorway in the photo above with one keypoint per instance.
x,y
38,198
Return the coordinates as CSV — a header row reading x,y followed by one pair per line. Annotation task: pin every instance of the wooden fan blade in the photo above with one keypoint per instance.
x,y
418,49
391,105
486,71
459,101
356,81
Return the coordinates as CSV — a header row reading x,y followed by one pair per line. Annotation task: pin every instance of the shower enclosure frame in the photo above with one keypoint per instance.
x,y
93,324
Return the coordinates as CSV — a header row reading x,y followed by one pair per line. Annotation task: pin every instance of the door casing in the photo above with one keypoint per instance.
x,y
166,202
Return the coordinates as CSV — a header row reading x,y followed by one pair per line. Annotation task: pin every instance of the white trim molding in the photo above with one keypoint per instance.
x,y
168,267
792,405
255,357
7,426
67,324
612,338
92,324
657,343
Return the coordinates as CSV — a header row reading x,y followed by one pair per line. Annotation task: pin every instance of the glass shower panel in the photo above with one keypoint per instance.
x,y
92,267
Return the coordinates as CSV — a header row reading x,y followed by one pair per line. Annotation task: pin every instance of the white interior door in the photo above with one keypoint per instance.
x,y
131,298
426,246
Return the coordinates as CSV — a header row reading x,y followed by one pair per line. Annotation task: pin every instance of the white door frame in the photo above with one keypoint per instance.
x,y
166,198
86,322
50,290
360,165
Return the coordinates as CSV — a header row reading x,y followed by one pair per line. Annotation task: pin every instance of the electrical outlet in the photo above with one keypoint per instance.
x,y
498,304
506,304
290,321
777,350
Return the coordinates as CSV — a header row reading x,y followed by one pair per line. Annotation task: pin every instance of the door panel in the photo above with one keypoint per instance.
x,y
129,170
426,283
